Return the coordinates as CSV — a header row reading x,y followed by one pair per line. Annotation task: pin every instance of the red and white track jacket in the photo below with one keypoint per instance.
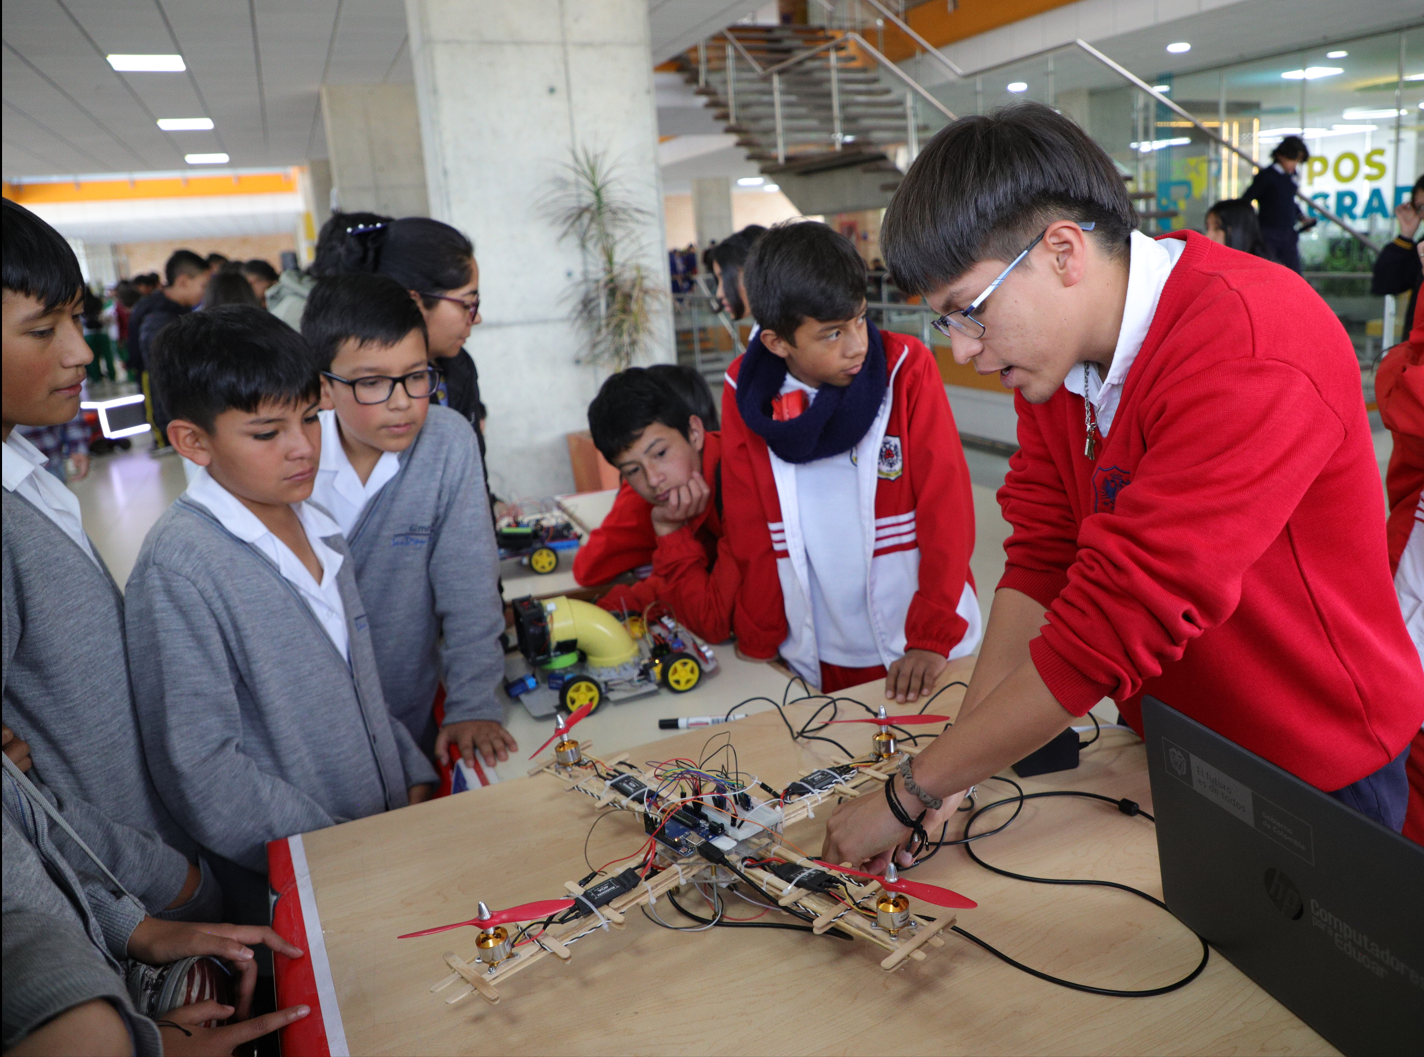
x,y
916,508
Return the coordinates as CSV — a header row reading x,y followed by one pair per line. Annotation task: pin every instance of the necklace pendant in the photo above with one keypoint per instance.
x,y
1090,449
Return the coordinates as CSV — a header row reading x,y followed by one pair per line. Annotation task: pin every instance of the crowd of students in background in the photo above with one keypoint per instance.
x,y
314,626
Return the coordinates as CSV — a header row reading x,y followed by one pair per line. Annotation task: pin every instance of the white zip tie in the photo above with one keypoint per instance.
x,y
652,899
602,921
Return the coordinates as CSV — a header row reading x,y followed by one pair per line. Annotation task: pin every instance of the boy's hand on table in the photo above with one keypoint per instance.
x,y
864,833
755,660
185,1036
914,674
159,942
16,749
683,504
494,742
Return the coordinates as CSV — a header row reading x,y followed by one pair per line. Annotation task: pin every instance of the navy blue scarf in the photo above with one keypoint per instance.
x,y
836,420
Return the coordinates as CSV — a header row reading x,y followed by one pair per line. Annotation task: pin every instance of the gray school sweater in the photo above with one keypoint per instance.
x,y
254,724
59,950
428,569
66,682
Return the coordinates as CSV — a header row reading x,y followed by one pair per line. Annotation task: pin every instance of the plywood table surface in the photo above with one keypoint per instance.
x,y
645,990
587,509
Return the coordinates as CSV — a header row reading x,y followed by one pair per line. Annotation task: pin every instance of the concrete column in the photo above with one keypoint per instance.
x,y
506,93
712,209
373,145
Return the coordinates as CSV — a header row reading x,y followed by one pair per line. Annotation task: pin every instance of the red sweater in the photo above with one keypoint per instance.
x,y
1225,553
1399,389
691,574
923,523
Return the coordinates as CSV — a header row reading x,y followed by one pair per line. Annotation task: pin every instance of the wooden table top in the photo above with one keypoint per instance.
x,y
645,990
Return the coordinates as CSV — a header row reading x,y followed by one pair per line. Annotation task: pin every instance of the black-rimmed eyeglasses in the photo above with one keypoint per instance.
x,y
472,308
377,388
962,320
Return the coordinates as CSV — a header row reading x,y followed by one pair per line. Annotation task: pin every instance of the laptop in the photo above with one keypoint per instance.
x,y
1321,906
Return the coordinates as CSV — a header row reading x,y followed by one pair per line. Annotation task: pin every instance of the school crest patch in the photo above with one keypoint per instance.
x,y
891,463
1108,481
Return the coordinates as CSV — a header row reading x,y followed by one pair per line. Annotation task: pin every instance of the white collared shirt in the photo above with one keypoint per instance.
x,y
324,599
338,488
25,475
1150,265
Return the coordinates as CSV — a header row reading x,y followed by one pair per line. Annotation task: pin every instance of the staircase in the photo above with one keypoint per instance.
x,y
826,128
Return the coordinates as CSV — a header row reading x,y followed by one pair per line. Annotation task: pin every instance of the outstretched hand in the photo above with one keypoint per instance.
x,y
488,735
184,1034
914,674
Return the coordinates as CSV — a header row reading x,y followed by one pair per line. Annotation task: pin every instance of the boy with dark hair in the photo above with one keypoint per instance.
x,y
729,257
254,674
66,672
1195,499
186,281
405,483
847,496
668,513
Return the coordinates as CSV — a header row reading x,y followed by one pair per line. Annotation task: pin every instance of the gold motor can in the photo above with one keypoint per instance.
x,y
567,752
883,744
492,947
892,912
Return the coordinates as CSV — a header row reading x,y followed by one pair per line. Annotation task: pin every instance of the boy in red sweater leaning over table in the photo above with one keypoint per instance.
x,y
668,513
846,494
1195,503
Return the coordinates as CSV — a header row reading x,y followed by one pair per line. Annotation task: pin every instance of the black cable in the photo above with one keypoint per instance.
x,y
1097,732
837,933
1127,807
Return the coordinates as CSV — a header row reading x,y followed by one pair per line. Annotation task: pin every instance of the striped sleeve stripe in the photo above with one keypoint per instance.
x,y
895,519
894,541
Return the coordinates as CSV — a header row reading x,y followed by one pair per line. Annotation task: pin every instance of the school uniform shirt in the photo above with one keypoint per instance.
x,y
324,598
1225,551
423,554
339,490
693,569
913,512
256,723
45,492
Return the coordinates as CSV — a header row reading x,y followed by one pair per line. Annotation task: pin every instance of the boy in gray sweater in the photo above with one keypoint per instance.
x,y
405,482
65,664
254,677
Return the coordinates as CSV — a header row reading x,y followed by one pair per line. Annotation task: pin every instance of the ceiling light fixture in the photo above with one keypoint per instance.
x,y
1336,54
1161,87
1415,77
770,188
185,124
750,181
1179,48
1148,146
1355,113
1310,73
147,63
205,159
1016,86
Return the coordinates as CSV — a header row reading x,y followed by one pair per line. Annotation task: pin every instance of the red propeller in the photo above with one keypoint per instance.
x,y
940,897
898,721
486,920
562,726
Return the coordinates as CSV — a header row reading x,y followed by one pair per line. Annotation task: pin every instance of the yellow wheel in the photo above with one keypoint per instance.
x,y
579,692
544,560
681,672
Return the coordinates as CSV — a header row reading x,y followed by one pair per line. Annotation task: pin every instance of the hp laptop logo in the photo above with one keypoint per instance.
x,y
1283,893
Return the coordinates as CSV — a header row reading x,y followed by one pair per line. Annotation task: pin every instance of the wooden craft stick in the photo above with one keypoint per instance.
x,y
473,976
921,937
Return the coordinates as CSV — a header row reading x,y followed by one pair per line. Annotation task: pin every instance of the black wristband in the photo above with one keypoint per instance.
x,y
918,836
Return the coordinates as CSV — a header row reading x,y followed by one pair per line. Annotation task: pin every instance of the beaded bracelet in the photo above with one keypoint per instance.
x,y
934,803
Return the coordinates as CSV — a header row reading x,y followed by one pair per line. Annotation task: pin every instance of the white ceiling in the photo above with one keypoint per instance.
x,y
254,67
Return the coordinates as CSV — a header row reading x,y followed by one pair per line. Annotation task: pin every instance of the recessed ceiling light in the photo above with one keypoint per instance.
x,y
771,187
147,63
185,124
205,159
1356,113
1017,86
750,181
1336,54
1415,77
1161,87
1179,47
1310,73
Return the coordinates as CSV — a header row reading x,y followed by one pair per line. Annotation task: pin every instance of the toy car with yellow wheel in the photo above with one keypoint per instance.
x,y
573,654
536,540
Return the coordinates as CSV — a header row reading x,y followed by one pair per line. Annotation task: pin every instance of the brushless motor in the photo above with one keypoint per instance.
x,y
567,752
492,947
883,744
892,912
